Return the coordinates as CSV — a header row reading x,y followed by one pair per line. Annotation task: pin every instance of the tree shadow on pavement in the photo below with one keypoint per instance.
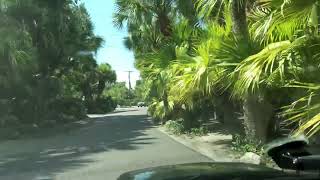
x,y
118,111
52,155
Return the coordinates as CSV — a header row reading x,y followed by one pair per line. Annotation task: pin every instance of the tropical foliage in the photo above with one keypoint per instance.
x,y
47,61
253,57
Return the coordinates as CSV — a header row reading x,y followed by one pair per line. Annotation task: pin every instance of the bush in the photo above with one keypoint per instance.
x,y
106,104
5,106
9,121
67,107
101,105
24,109
202,131
242,145
175,127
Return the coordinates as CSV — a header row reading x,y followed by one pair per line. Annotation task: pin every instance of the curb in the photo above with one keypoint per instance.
x,y
215,154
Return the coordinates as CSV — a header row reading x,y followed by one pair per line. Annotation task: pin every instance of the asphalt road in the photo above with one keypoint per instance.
x,y
113,144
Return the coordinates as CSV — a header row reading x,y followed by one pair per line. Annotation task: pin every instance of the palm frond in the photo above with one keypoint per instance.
x,y
211,8
272,61
131,12
305,111
157,110
195,75
279,20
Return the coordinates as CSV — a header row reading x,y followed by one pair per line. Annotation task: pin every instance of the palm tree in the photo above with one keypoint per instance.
x,y
270,45
16,52
242,42
287,51
43,42
149,23
145,20
137,12
154,68
105,75
152,36
143,38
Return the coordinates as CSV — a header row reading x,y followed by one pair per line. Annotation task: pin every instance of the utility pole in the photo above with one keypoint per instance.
x,y
129,77
130,93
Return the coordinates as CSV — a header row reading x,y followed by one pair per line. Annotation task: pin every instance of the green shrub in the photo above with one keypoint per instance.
x,y
101,105
202,131
67,107
25,110
9,121
5,106
242,145
175,127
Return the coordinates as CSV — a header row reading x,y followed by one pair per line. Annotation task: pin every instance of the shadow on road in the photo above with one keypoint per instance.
x,y
69,151
121,111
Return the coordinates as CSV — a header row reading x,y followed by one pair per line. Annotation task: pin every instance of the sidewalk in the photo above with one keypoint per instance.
x,y
215,146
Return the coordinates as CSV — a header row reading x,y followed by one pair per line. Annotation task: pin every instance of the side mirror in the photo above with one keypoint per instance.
x,y
291,153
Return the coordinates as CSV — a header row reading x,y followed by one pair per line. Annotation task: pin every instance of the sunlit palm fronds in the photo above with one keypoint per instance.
x,y
195,74
206,71
278,20
143,38
157,109
251,70
209,8
132,12
277,60
306,110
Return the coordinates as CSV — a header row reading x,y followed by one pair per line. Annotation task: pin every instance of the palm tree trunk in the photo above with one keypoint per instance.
x,y
314,19
255,119
165,24
317,17
166,106
249,123
239,19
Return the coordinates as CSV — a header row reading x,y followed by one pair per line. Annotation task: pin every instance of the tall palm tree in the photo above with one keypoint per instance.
x,y
16,51
238,11
151,26
149,23
105,75
137,12
289,30
154,67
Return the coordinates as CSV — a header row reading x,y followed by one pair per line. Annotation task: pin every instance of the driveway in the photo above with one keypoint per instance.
x,y
113,144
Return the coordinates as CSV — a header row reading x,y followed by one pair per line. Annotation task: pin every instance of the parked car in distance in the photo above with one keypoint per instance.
x,y
141,104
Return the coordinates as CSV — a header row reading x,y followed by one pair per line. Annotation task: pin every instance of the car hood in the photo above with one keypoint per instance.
x,y
197,171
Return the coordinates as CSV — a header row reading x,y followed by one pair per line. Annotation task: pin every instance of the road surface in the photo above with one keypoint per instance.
x,y
113,144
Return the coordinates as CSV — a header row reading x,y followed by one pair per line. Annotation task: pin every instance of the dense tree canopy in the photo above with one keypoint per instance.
x,y
250,63
260,58
47,61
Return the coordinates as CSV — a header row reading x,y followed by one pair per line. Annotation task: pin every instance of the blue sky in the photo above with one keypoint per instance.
x,y
113,51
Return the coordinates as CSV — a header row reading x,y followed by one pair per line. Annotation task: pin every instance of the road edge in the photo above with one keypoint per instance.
x,y
216,155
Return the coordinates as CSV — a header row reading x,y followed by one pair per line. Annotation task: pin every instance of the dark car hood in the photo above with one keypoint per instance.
x,y
205,171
